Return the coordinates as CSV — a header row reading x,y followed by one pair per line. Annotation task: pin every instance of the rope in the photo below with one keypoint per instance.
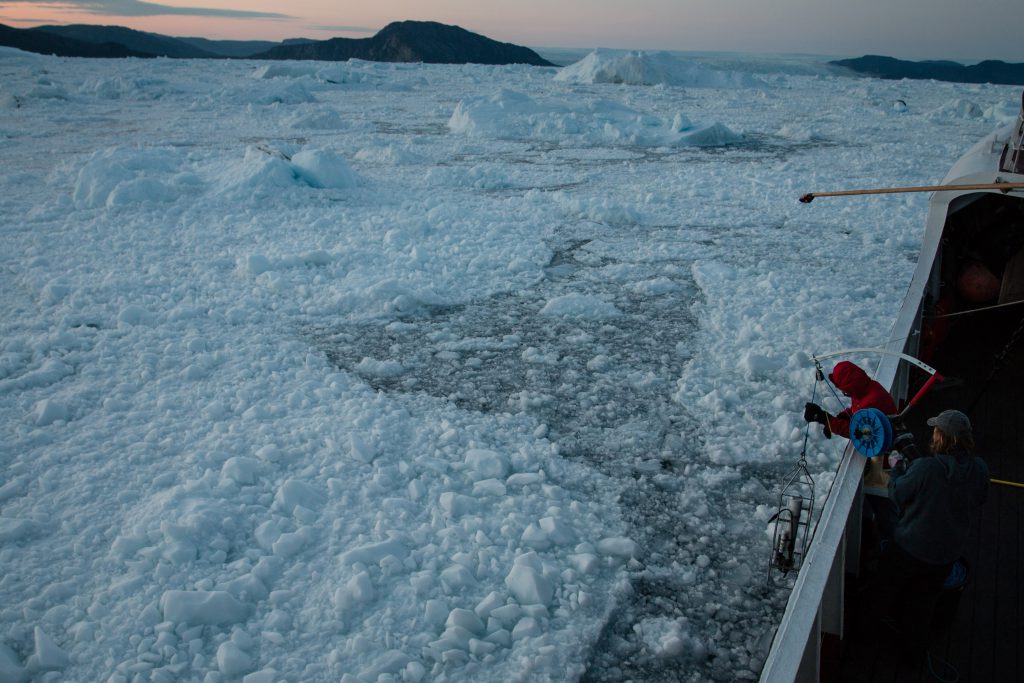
x,y
974,310
807,428
836,397
1007,483
819,377
828,494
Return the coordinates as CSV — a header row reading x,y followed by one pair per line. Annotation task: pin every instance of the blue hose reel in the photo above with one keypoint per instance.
x,y
871,432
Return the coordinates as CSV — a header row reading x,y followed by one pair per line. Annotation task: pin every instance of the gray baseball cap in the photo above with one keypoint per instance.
x,y
952,422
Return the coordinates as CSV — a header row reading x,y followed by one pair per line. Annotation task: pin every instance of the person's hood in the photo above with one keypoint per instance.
x,y
957,464
850,378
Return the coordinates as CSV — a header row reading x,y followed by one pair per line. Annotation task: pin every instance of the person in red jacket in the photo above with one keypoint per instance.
x,y
863,391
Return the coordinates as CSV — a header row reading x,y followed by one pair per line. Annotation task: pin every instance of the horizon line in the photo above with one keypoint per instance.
x,y
374,31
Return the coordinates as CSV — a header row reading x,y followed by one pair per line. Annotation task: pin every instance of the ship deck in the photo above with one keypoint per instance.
x,y
984,640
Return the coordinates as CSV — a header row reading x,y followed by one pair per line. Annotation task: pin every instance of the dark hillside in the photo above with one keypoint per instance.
x,y
404,41
990,71
239,49
141,42
413,41
32,40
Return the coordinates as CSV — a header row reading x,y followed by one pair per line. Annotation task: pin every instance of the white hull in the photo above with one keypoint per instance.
x,y
815,608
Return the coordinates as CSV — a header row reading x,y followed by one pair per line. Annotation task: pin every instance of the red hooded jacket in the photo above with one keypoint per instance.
x,y
864,392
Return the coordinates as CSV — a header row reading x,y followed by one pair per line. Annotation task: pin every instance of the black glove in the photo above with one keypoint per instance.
x,y
907,447
899,469
814,413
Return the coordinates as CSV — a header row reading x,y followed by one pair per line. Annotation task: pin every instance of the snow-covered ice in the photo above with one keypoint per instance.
x,y
389,372
636,67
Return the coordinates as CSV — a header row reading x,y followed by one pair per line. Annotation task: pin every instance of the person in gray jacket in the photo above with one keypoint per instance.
x,y
936,499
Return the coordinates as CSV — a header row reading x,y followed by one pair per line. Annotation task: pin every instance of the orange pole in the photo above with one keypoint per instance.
x,y
1005,187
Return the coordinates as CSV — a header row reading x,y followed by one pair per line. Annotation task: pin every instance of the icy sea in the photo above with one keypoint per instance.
x,y
387,372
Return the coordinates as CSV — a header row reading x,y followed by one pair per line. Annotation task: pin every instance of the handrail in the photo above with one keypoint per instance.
x,y
794,653
795,650
786,657
799,629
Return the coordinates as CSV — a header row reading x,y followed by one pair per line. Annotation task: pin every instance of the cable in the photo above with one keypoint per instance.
x,y
836,397
807,427
931,669
819,377
974,310
839,463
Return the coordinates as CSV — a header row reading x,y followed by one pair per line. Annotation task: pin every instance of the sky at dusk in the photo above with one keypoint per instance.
x,y
911,29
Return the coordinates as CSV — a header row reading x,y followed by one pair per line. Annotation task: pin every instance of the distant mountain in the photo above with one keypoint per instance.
x,y
239,49
989,71
152,44
31,40
413,41
403,41
165,46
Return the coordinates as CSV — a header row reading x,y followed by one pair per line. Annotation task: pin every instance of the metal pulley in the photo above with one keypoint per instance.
x,y
871,432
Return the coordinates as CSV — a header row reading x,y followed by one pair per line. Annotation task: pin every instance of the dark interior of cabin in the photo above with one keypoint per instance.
x,y
982,292
977,633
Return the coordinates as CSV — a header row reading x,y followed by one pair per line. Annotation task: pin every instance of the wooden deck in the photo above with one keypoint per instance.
x,y
985,640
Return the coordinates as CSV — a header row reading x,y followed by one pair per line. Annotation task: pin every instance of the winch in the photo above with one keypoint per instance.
x,y
872,434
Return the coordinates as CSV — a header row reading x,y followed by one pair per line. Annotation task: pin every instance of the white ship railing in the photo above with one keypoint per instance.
x,y
815,608
815,605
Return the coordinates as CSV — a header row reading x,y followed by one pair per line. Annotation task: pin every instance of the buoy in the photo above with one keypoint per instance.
x,y
977,284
